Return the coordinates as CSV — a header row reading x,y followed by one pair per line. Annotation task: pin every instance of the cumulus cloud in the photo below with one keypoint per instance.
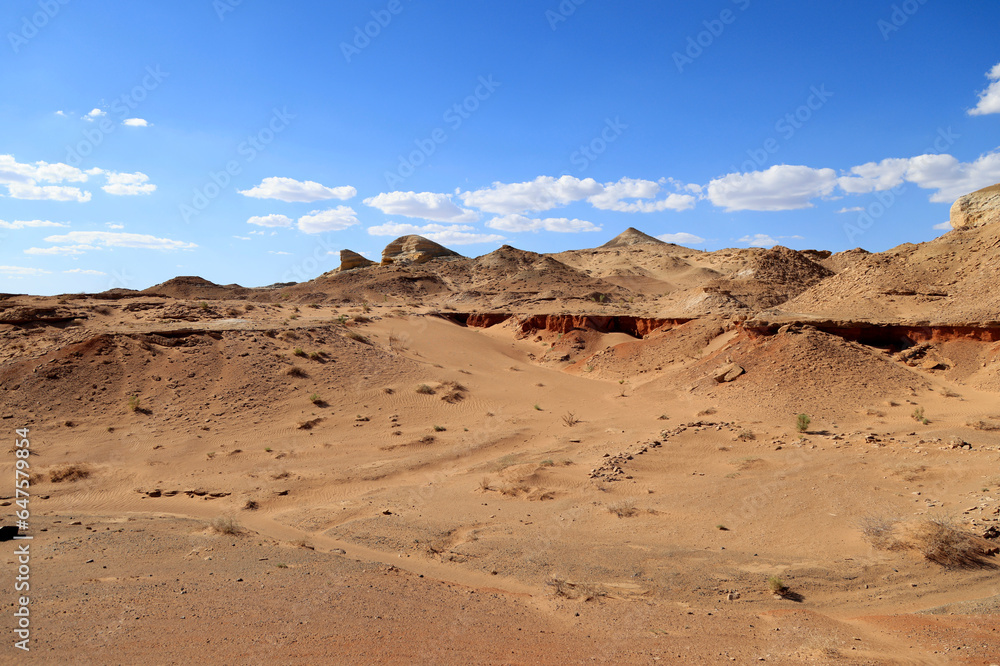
x,y
681,238
852,209
759,240
135,122
989,99
944,226
952,178
27,180
33,192
405,228
83,271
424,205
25,224
517,223
781,187
93,114
61,250
82,241
21,271
289,189
543,193
875,176
334,219
615,196
445,234
270,221
128,184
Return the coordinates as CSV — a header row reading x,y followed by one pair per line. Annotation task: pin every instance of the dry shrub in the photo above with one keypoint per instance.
x,y
623,508
296,371
451,397
909,472
69,473
227,525
940,541
424,389
746,436
879,532
514,489
744,464
582,591
988,426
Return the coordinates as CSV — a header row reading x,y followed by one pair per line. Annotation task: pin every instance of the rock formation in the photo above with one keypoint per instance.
x,y
350,260
976,209
414,250
632,236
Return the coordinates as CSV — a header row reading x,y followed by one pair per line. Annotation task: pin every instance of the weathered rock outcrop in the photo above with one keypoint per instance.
x,y
414,250
976,209
350,260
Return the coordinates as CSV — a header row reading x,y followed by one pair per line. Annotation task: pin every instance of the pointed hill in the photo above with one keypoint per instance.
x,y
632,236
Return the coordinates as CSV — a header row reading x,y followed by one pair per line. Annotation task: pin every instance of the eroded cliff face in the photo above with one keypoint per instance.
x,y
635,326
896,335
977,209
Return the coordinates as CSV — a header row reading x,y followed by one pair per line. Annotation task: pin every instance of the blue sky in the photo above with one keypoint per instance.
x,y
249,141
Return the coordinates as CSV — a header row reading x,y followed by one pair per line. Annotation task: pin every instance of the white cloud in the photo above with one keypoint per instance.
x,y
32,192
453,237
12,171
270,221
82,271
781,187
95,113
289,189
62,114
406,229
128,184
61,250
424,205
852,209
681,238
875,176
91,239
246,238
114,225
260,232
944,226
21,271
759,240
989,99
445,234
543,193
952,178
334,219
613,197
135,122
22,180
517,223
281,252
25,224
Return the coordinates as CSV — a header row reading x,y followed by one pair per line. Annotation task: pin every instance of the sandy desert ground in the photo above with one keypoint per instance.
x,y
589,457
